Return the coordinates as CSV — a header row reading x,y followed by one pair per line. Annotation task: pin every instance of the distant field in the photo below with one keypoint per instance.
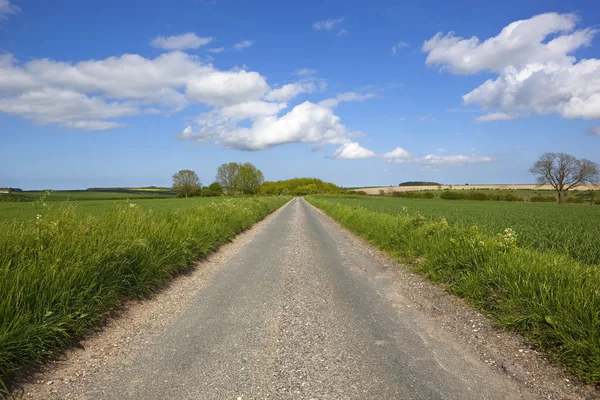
x,y
569,229
545,189
85,195
30,210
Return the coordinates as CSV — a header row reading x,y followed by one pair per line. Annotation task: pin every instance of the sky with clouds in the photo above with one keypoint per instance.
x,y
358,93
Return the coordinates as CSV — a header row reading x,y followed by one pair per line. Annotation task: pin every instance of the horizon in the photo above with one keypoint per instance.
x,y
350,93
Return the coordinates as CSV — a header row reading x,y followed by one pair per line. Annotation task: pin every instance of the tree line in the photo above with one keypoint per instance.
x,y
245,179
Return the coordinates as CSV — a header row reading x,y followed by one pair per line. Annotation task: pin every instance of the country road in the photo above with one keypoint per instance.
x,y
301,312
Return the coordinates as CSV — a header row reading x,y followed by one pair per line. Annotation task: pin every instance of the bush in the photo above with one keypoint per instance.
x,y
476,196
451,195
511,197
575,200
543,199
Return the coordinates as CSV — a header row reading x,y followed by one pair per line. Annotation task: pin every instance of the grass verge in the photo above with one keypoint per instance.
x,y
63,272
553,300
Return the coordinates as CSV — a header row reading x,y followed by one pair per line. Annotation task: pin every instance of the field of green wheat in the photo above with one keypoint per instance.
x,y
533,267
65,265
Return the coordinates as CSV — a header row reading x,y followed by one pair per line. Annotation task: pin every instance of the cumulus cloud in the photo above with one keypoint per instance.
x,y
180,42
244,44
398,46
305,123
53,92
347,96
291,90
401,156
537,72
327,24
397,153
217,50
353,150
7,8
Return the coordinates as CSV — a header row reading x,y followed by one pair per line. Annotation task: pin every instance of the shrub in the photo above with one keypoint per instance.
x,y
543,199
511,197
451,195
575,200
476,196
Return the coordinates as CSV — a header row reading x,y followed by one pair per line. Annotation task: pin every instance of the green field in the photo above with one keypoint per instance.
x,y
533,267
66,265
29,210
570,229
65,195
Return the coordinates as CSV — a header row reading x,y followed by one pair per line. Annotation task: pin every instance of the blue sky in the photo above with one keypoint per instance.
x,y
358,93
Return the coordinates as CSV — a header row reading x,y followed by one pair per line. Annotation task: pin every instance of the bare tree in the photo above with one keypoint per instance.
x,y
564,172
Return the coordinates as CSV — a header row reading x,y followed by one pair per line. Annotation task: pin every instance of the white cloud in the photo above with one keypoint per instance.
x,y
244,44
180,42
440,150
217,50
353,150
342,33
306,71
305,123
537,73
398,46
89,88
291,90
397,153
7,8
327,24
595,131
497,116
67,109
227,88
347,96
401,156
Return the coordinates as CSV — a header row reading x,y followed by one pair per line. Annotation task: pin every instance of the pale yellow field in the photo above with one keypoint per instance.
x,y
389,189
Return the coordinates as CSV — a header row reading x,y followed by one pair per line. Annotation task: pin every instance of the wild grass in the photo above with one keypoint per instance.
x,y
550,298
63,271
570,229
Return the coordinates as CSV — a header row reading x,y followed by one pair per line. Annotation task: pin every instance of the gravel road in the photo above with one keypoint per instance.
x,y
299,308
300,312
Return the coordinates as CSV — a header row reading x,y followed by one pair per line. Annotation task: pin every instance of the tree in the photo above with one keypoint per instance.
x,y
214,189
226,176
564,172
239,178
248,179
186,183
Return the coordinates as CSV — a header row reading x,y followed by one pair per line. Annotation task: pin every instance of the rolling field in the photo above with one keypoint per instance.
x,y
533,267
59,195
523,188
64,266
568,229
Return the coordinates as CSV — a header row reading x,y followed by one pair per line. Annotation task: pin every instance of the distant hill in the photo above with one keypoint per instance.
x,y
418,183
299,187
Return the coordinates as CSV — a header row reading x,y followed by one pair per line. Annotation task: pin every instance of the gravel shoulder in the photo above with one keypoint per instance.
x,y
297,307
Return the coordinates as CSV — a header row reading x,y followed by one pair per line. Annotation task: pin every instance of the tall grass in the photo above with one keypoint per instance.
x,y
62,272
552,299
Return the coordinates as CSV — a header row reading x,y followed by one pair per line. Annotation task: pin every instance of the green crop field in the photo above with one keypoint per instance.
x,y
29,210
60,195
65,265
570,229
533,267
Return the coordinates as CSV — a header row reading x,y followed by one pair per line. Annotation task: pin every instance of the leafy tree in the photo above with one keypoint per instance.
x,y
214,189
237,178
186,183
299,187
564,172
226,176
248,179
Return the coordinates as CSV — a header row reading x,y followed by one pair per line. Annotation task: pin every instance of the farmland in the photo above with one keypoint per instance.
x,y
66,265
533,267
568,229
547,189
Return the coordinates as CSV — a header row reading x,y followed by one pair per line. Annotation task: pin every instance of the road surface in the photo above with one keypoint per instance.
x,y
300,312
